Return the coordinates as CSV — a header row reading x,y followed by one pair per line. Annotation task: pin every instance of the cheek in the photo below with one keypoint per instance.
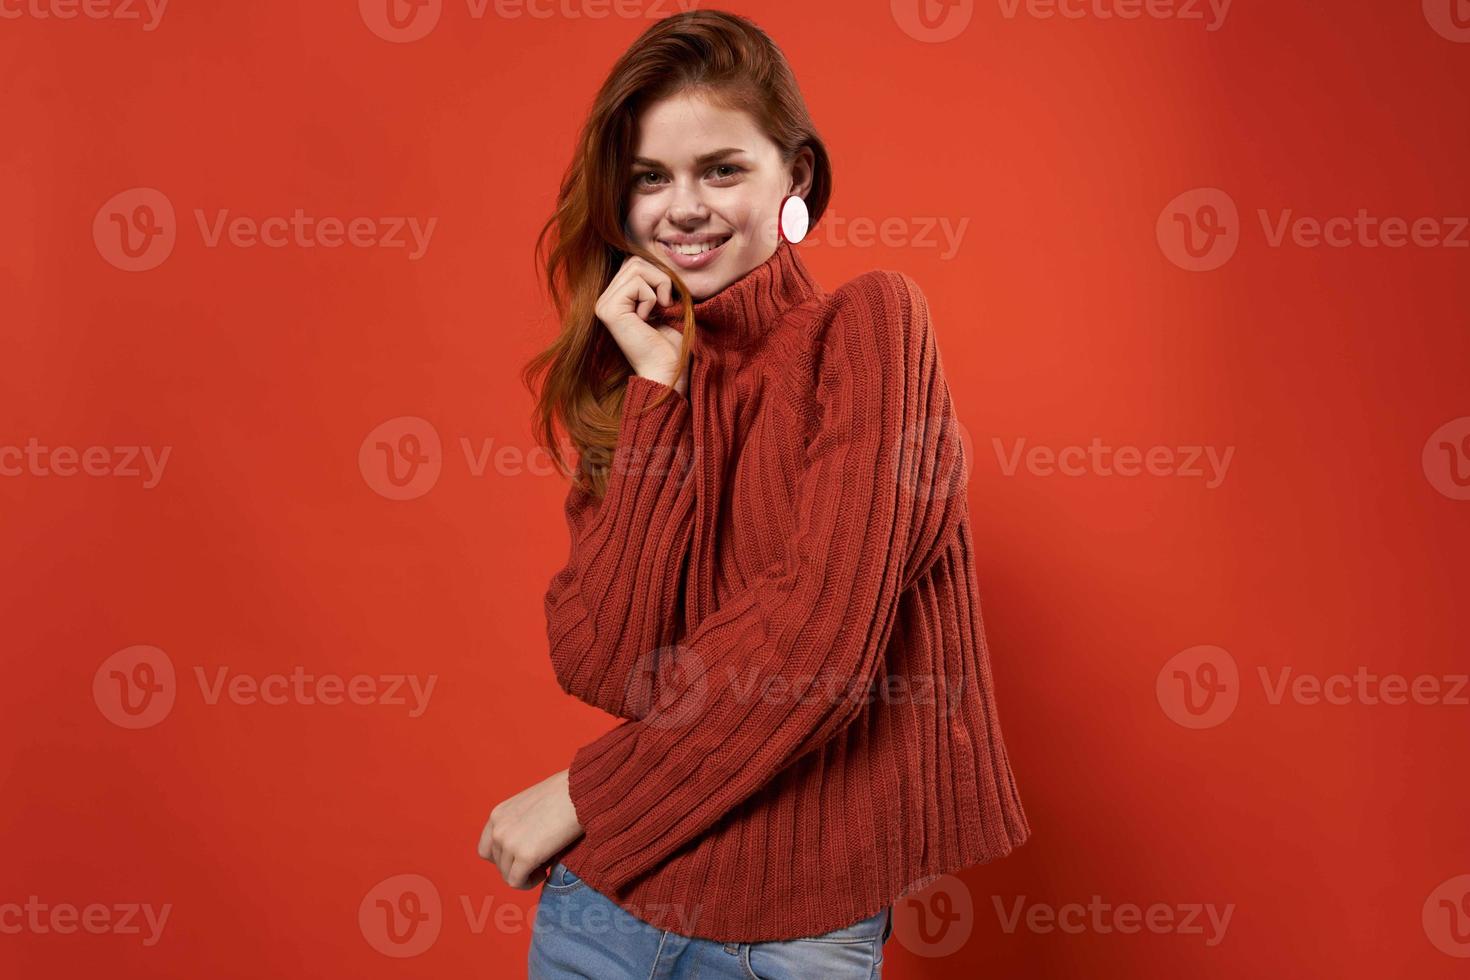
x,y
642,217
753,218
740,212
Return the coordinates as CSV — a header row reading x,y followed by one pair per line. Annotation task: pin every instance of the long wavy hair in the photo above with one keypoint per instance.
x,y
723,57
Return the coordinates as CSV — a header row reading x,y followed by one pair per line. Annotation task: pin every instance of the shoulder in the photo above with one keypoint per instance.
x,y
880,312
879,291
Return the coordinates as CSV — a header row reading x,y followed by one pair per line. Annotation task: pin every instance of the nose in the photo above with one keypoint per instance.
x,y
686,206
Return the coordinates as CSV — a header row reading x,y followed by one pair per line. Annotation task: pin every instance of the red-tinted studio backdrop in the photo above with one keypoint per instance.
x,y
1199,276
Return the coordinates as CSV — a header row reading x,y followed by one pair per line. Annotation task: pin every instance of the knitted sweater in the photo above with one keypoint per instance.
x,y
777,594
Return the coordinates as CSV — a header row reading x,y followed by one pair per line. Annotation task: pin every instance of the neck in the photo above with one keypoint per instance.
x,y
747,308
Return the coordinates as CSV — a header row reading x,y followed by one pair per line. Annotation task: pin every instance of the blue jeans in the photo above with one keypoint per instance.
x,y
579,932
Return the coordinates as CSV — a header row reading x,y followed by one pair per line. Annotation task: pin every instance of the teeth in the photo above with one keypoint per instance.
x,y
699,249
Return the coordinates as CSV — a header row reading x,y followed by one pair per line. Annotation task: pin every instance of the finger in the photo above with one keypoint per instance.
x,y
652,274
633,270
646,297
624,281
619,278
660,281
521,875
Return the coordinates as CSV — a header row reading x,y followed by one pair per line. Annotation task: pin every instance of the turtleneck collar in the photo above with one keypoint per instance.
x,y
745,309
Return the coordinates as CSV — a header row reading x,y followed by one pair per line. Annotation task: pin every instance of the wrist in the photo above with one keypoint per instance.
x,y
678,386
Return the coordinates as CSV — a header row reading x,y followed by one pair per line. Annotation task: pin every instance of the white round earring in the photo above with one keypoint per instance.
x,y
795,219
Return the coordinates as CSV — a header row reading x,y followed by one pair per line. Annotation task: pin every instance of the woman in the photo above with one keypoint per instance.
x,y
772,583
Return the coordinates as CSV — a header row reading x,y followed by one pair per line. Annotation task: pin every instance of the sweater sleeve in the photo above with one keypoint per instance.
x,y
786,664
614,606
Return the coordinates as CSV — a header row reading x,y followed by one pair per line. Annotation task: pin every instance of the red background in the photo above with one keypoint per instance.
x,y
264,546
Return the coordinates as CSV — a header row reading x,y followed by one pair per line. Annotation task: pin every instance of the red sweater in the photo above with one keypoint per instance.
x,y
778,595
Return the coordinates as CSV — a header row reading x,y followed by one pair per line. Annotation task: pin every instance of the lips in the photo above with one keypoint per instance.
x,y
698,260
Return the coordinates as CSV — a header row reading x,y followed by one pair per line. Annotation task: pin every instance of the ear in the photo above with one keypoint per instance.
x,y
803,170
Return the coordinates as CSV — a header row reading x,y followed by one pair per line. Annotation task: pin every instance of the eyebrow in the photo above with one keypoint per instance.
x,y
700,160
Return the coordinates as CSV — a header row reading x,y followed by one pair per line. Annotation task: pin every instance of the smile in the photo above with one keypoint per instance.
x,y
694,255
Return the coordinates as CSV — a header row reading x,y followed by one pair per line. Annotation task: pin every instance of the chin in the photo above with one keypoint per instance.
x,y
705,283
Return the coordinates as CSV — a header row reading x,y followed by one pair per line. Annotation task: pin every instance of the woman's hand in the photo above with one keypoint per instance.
x,y
623,309
527,830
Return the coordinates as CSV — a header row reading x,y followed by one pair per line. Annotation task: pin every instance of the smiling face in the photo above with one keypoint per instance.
x,y
706,188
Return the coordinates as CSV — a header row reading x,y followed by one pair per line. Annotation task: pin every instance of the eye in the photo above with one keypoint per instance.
x,y
638,179
727,166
